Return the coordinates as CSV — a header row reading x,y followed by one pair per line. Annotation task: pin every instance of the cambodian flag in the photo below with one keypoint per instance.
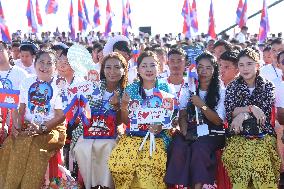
x,y
128,10
239,11
82,20
38,15
211,28
5,35
186,18
124,20
264,24
243,18
51,7
97,15
71,21
72,111
86,11
31,17
109,15
193,17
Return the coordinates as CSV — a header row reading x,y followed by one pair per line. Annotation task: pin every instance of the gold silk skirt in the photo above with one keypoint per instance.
x,y
24,160
132,168
252,163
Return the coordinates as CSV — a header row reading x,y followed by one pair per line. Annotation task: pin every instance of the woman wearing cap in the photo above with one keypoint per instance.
x,y
131,168
250,154
92,150
25,154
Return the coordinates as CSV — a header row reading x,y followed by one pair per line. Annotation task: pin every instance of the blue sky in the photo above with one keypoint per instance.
x,y
163,15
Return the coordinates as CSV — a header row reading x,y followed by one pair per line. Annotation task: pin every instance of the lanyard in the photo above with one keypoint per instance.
x,y
178,94
275,71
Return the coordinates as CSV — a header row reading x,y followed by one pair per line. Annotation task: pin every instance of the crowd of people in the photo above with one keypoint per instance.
x,y
221,103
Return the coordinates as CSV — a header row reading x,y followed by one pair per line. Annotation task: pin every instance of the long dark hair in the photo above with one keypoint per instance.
x,y
139,61
114,55
213,95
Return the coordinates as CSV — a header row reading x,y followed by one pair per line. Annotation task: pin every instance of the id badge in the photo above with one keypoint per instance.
x,y
202,130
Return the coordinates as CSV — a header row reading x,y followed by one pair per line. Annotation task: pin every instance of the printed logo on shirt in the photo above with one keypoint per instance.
x,y
6,83
39,96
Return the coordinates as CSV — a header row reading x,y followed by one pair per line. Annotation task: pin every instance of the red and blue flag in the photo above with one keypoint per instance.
x,y
82,26
243,18
211,28
97,15
31,17
71,21
85,11
186,18
5,34
239,11
38,15
193,17
51,7
264,24
109,15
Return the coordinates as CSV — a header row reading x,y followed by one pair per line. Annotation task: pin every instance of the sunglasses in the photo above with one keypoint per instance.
x,y
282,62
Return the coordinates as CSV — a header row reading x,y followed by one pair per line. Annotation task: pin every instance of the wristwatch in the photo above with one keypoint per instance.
x,y
204,108
43,128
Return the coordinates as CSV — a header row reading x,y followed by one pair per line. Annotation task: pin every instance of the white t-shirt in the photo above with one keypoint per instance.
x,y
30,70
132,71
40,98
279,93
13,79
268,72
241,37
220,108
182,93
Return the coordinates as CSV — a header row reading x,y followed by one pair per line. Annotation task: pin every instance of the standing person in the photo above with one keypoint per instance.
x,y
242,36
220,47
271,71
131,168
25,154
92,154
28,51
228,66
250,155
192,162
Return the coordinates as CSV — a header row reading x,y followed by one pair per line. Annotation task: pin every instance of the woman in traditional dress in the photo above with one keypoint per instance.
x,y
250,155
25,154
130,167
191,158
98,138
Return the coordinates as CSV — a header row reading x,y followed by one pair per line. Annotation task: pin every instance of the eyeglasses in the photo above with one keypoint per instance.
x,y
282,62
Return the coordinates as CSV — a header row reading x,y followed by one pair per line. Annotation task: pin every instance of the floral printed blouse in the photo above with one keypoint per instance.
x,y
263,96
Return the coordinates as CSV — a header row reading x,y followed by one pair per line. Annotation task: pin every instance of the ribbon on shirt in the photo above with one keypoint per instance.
x,y
152,142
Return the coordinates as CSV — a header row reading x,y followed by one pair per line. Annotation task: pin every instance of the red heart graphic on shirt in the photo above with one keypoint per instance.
x,y
145,115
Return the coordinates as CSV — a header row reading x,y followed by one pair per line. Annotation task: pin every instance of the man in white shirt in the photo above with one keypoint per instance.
x,y
228,66
271,71
10,76
177,61
279,104
162,56
241,37
27,55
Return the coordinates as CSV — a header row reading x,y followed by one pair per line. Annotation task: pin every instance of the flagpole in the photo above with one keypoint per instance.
x,y
251,16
